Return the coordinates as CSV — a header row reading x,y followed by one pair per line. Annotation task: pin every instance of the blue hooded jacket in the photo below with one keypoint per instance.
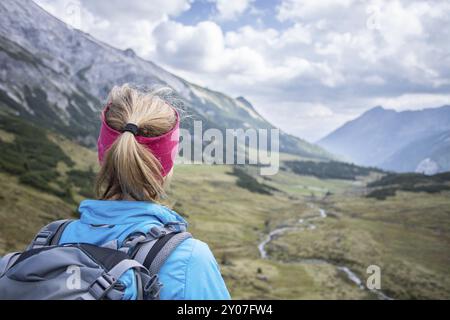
x,y
190,272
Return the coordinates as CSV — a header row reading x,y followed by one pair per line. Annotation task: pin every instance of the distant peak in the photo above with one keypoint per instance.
x,y
378,108
129,52
244,101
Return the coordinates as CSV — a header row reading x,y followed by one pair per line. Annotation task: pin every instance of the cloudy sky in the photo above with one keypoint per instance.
x,y
306,65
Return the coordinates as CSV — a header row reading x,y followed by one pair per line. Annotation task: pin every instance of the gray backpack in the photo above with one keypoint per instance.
x,y
46,270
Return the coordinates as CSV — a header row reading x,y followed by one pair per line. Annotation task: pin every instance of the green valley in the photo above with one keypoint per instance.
x,y
233,210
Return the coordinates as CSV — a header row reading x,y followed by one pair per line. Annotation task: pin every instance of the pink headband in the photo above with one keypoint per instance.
x,y
164,147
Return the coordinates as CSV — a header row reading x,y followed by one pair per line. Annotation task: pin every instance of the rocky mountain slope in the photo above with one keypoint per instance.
x,y
59,77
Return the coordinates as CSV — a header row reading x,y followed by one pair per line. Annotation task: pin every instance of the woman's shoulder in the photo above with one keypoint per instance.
x,y
193,251
192,272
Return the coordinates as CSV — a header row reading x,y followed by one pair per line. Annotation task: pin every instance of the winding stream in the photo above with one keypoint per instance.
x,y
303,224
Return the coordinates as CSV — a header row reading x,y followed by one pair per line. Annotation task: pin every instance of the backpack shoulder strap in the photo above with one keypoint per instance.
x,y
7,261
154,254
50,234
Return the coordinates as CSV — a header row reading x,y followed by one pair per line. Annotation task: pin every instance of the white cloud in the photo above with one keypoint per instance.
x,y
308,120
319,110
246,57
190,47
374,80
342,56
294,9
231,9
138,9
297,34
413,101
248,36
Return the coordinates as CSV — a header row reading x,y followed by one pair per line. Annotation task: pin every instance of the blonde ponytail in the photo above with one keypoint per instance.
x,y
129,170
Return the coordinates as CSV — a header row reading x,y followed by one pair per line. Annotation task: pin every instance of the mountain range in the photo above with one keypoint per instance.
x,y
403,141
59,77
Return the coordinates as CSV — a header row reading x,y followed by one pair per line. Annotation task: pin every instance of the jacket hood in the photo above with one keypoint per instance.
x,y
116,212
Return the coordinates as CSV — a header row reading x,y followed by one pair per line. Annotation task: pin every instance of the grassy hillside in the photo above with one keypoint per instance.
x,y
330,169
55,186
391,183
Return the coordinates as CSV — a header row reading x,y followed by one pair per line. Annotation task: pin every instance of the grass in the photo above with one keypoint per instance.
x,y
407,236
24,210
411,179
250,183
389,184
329,169
6,136
232,220
32,156
300,185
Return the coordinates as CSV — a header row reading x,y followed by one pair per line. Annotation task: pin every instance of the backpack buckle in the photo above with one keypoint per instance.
x,y
152,288
42,239
156,232
106,281
101,286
